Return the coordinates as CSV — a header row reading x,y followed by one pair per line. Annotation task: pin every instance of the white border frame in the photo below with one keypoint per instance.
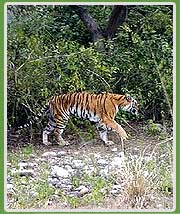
x,y
174,106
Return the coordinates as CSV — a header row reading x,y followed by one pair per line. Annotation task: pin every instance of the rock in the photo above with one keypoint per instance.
x,y
67,187
14,171
82,190
76,153
23,165
69,168
159,126
102,162
8,178
49,154
104,190
66,181
8,164
26,172
53,181
116,186
116,161
78,164
61,153
59,172
9,186
116,189
97,156
121,154
146,173
105,171
114,149
41,159
23,172
34,193
87,169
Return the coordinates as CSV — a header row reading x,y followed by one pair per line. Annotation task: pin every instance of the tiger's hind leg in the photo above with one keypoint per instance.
x,y
61,124
47,130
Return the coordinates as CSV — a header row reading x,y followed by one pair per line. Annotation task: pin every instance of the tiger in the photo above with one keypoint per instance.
x,y
99,108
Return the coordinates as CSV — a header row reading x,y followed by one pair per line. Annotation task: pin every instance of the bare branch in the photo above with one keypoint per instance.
x,y
101,78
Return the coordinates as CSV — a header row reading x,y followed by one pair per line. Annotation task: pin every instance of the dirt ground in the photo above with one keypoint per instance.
x,y
139,141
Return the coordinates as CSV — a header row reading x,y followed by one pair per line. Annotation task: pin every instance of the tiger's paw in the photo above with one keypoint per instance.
x,y
47,143
109,143
124,136
63,143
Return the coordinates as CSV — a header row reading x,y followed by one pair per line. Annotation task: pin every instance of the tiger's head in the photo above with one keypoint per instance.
x,y
130,105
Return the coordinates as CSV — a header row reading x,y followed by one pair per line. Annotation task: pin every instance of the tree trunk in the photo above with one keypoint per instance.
x,y
88,21
117,17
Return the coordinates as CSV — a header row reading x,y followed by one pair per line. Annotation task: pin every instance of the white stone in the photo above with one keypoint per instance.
x,y
78,164
8,164
49,154
60,172
88,169
114,149
146,173
61,153
25,165
82,190
121,154
102,162
116,187
26,172
114,191
97,155
76,153
117,161
104,172
69,168
53,181
10,186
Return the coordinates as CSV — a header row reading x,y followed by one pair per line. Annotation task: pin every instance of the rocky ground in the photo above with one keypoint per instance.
x,y
90,174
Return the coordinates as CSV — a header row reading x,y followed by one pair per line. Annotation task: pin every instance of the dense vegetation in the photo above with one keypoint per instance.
x,y
122,49
50,51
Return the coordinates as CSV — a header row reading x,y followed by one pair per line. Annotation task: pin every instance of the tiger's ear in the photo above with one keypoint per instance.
x,y
128,97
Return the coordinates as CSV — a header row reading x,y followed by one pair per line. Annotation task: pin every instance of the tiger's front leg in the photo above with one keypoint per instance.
x,y
59,139
103,134
116,127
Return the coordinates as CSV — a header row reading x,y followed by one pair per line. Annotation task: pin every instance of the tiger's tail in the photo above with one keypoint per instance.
x,y
44,110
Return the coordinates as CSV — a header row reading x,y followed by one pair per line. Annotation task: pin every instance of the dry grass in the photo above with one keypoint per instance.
x,y
147,179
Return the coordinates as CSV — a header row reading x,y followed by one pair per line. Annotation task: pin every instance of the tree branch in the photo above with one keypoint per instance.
x,y
117,17
101,78
88,21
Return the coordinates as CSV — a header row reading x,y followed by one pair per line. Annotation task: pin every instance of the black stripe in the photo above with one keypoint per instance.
x,y
88,107
77,102
63,110
82,105
105,105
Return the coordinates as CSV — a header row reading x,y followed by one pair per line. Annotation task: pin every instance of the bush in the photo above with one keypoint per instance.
x,y
48,55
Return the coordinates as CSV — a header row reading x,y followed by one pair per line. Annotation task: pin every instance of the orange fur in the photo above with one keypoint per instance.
x,y
100,108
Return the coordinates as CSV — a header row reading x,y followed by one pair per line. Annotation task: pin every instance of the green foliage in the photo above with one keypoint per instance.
x,y
153,128
141,49
49,52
